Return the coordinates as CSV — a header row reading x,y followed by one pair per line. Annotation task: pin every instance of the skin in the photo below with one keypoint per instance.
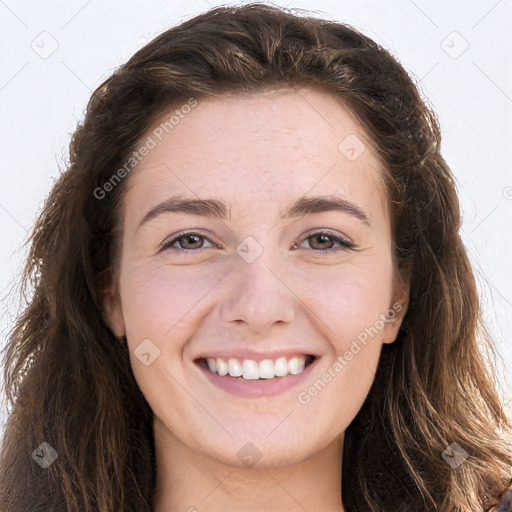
x,y
258,152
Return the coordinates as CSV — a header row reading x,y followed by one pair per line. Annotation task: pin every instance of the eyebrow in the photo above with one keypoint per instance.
x,y
215,208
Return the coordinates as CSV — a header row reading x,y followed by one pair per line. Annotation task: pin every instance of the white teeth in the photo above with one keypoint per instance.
x,y
222,367
281,367
266,369
296,365
212,364
250,369
234,367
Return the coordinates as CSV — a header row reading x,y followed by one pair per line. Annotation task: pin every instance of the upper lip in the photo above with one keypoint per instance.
x,y
251,354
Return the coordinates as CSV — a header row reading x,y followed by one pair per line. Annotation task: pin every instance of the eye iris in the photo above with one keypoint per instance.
x,y
188,238
323,239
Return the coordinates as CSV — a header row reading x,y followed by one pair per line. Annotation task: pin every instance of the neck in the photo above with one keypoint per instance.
x,y
188,480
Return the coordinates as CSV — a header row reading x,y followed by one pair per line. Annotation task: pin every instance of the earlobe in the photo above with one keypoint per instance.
x,y
397,310
113,312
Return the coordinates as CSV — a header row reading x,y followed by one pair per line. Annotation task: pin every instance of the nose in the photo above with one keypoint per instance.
x,y
258,296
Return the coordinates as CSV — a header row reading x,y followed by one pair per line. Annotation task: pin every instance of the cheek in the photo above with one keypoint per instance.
x,y
350,308
352,299
157,301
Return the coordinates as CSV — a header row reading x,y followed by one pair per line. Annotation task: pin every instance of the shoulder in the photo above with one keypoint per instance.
x,y
504,502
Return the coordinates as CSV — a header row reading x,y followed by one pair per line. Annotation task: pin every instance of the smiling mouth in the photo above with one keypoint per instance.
x,y
249,369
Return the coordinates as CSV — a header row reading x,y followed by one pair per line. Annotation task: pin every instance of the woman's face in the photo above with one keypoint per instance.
x,y
249,279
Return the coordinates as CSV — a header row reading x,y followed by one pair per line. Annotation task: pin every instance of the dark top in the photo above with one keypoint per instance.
x,y
504,501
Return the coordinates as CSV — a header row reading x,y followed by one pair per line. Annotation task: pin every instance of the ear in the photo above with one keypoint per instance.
x,y
113,311
398,307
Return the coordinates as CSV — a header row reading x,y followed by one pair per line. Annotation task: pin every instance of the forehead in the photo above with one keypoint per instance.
x,y
258,149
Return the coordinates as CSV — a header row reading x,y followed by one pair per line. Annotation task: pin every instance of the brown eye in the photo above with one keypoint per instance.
x,y
190,241
322,239
322,242
187,241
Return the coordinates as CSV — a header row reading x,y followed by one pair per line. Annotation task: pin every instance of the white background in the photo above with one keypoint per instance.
x,y
42,99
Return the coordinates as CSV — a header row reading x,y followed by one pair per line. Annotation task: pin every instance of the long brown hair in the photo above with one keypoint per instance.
x,y
68,379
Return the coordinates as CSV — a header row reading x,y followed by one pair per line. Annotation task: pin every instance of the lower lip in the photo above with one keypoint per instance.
x,y
256,387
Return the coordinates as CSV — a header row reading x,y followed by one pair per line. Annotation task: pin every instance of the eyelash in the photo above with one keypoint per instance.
x,y
344,243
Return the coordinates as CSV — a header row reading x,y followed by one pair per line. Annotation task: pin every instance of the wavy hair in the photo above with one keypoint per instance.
x,y
68,379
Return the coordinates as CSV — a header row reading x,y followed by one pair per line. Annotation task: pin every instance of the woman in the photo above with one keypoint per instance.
x,y
191,343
